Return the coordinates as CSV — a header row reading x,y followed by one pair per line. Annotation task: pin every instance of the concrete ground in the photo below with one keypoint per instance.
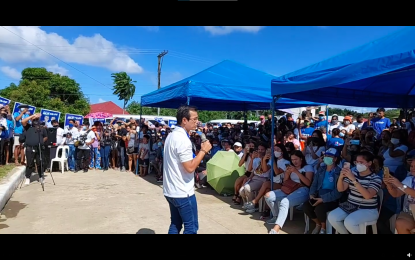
x,y
113,202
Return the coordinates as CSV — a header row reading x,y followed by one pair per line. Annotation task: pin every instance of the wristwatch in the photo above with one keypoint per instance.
x,y
355,182
403,188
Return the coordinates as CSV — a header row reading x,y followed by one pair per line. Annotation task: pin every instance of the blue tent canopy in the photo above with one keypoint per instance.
x,y
377,74
226,86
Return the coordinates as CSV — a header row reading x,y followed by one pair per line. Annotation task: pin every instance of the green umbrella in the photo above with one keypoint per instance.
x,y
223,170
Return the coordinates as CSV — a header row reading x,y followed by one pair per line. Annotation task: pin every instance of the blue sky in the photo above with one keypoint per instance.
x,y
89,54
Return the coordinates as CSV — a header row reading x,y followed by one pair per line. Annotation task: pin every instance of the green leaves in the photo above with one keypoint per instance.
x,y
123,86
44,89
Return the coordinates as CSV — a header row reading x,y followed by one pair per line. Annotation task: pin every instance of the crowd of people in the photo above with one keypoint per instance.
x,y
332,171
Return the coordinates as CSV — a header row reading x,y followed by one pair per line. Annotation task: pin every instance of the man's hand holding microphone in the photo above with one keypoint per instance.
x,y
206,146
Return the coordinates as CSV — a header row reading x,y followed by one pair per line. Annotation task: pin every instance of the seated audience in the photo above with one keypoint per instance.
x,y
405,223
294,192
281,161
362,202
324,196
245,160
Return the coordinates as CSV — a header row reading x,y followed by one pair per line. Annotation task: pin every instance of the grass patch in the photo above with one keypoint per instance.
x,y
4,170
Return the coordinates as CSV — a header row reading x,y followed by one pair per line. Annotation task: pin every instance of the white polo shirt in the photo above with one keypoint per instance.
x,y
177,182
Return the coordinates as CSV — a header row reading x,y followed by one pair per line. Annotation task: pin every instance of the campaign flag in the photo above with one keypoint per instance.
x,y
93,120
172,123
4,101
78,118
48,115
160,120
32,109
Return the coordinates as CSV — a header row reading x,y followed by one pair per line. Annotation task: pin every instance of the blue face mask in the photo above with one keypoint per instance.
x,y
341,134
160,144
84,128
321,117
70,125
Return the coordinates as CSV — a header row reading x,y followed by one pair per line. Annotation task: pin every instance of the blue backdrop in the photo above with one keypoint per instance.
x,y
32,109
48,115
78,118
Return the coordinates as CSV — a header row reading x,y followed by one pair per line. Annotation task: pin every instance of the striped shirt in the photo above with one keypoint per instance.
x,y
371,181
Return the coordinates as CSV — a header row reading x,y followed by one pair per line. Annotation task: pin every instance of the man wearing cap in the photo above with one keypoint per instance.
x,y
262,119
347,125
237,147
321,120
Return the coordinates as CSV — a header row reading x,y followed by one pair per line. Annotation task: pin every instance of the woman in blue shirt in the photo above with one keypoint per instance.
x,y
324,196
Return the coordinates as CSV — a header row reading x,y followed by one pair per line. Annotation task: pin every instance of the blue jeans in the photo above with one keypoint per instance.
x,y
105,156
296,198
71,157
121,154
345,223
183,211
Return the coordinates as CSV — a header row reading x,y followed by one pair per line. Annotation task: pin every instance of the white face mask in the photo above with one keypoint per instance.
x,y
214,145
361,167
395,141
277,154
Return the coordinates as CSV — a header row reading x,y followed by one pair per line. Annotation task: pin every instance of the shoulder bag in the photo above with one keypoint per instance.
x,y
289,186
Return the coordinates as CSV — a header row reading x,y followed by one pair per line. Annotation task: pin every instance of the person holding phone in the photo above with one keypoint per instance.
x,y
245,160
324,196
281,162
299,176
395,154
260,169
315,146
405,223
362,202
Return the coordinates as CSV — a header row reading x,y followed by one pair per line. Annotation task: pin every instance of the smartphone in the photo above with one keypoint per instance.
x,y
268,151
287,165
251,150
355,142
312,202
386,172
346,165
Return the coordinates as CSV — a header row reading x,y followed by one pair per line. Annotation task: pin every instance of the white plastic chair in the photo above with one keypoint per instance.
x,y
329,228
62,160
372,223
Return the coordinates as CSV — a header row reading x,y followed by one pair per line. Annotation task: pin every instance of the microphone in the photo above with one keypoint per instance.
x,y
203,137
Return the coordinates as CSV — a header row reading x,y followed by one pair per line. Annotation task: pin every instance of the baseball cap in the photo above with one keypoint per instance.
x,y
237,144
347,118
262,117
331,152
321,113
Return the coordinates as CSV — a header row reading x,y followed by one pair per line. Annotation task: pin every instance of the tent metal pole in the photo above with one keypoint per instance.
x,y
188,101
274,101
140,129
327,119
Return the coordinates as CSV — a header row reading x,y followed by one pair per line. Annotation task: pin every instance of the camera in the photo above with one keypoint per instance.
x,y
81,140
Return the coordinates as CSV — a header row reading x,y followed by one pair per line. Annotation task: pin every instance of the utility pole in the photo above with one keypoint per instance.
x,y
160,64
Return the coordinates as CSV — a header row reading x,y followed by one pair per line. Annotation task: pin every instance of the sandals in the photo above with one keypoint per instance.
x,y
237,201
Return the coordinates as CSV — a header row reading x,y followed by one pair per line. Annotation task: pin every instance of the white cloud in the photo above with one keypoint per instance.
x,y
11,72
92,51
57,69
223,30
151,28
100,100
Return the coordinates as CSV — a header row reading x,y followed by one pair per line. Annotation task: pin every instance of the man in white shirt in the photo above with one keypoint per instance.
x,y
179,163
59,133
72,134
83,157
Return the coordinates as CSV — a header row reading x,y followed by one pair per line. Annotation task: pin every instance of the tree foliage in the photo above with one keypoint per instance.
x,y
44,89
123,87
204,116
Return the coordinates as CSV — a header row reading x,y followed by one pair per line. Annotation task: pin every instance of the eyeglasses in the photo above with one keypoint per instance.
x,y
194,119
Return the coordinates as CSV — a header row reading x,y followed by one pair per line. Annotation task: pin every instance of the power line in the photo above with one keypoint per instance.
x,y
54,56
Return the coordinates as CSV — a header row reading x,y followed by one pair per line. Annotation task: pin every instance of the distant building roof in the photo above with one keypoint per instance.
x,y
107,107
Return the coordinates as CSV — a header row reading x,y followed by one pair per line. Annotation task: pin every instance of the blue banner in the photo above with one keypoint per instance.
x,y
78,118
4,101
172,123
48,115
93,120
32,109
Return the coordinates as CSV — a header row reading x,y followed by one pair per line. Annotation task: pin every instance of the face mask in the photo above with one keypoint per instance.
x,y
84,128
395,141
361,167
4,115
341,134
306,124
27,113
56,126
277,154
334,121
70,125
22,109
251,128
346,123
321,117
160,144
215,145
328,160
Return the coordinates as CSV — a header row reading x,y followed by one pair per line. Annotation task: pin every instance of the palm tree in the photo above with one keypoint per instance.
x,y
123,87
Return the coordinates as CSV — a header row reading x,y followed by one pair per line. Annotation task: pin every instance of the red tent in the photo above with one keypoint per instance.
x,y
107,107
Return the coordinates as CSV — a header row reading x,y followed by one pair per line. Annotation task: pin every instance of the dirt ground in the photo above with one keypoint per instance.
x,y
113,202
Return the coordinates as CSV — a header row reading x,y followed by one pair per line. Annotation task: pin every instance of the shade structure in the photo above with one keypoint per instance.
x,y
100,115
222,172
226,86
378,74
